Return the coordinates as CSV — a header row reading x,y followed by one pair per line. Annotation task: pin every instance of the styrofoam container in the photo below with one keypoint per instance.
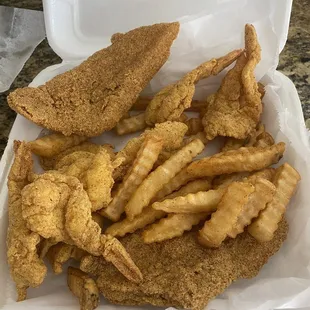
x,y
209,28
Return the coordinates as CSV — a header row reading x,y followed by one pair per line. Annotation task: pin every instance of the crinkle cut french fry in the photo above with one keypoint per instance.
x,y
264,191
141,167
224,180
244,159
148,216
53,144
191,187
191,203
267,174
162,175
83,287
200,135
194,126
232,144
131,124
223,220
174,184
172,226
285,181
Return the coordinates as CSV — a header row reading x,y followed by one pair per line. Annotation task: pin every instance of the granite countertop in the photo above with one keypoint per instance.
x,y
294,61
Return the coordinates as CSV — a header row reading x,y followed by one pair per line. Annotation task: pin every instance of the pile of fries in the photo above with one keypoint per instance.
x,y
154,183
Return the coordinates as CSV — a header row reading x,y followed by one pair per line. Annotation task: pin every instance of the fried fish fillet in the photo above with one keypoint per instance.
x,y
92,98
235,109
27,269
169,103
180,272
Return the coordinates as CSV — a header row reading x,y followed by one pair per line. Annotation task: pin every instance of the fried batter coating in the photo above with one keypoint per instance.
x,y
236,107
180,272
53,144
49,163
26,268
60,253
244,159
58,208
95,171
171,101
83,287
91,98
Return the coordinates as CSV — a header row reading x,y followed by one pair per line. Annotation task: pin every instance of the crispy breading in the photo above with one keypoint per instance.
x,y
243,159
60,253
95,171
26,268
49,163
180,272
83,287
58,208
169,103
92,97
235,109
53,144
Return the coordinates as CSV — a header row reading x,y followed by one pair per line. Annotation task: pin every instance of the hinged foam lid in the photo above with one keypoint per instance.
x,y
77,28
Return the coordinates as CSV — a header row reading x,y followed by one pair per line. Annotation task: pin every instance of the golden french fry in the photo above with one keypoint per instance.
x,y
146,157
223,220
263,140
163,156
285,181
148,216
162,175
131,124
191,187
172,226
174,184
200,135
170,102
267,174
53,144
172,134
264,191
194,126
191,203
243,159
224,180
232,144
83,287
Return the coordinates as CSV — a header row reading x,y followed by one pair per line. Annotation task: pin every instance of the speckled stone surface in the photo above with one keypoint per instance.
x,y
294,61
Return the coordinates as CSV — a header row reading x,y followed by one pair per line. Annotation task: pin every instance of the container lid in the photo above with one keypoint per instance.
x,y
77,28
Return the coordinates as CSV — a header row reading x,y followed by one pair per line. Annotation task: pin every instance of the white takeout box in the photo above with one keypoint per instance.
x,y
209,28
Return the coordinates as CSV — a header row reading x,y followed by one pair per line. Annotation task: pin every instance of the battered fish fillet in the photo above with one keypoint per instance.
x,y
92,98
27,269
235,109
58,208
171,101
172,279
